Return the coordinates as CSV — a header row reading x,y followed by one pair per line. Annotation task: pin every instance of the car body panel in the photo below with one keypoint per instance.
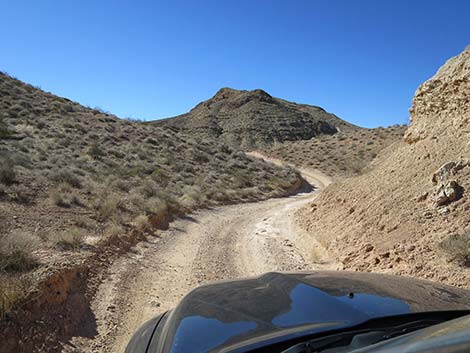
x,y
224,316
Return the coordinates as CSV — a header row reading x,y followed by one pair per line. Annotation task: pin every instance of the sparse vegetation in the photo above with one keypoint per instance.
x,y
4,131
72,239
7,171
63,196
16,252
13,290
252,120
342,154
70,175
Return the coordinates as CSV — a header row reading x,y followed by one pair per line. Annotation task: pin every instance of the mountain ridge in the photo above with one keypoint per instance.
x,y
254,118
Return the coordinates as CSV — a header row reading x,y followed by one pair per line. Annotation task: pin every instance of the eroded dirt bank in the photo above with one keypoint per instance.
x,y
224,243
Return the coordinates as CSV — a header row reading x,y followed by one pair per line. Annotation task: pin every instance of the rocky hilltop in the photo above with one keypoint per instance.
x,y
409,214
251,119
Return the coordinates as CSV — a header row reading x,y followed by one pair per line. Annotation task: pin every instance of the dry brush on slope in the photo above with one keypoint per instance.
x,y
73,179
343,154
409,214
254,119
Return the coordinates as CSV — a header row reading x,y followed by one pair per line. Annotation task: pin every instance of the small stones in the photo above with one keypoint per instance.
x,y
427,215
368,248
443,210
448,192
422,197
385,255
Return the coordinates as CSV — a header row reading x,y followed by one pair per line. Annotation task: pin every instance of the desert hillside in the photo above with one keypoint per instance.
x,y
339,155
251,119
73,179
410,213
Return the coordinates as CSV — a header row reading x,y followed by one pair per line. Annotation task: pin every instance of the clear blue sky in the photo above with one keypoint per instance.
x,y
360,59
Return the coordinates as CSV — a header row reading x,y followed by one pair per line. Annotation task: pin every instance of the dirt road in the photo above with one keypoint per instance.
x,y
227,242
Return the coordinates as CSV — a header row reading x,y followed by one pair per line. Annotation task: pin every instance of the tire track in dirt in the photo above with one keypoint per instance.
x,y
224,243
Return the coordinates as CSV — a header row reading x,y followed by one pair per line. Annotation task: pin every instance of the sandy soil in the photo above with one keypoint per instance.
x,y
224,243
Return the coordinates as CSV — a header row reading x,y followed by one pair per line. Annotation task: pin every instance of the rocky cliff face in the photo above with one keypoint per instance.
x,y
250,119
410,213
442,104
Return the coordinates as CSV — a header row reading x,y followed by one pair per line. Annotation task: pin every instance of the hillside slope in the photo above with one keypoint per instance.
x,y
343,154
409,214
74,179
254,118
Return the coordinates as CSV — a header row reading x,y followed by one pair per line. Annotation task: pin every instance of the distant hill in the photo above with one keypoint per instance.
x,y
251,119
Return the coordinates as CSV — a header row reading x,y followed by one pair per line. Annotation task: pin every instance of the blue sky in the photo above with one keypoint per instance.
x,y
359,59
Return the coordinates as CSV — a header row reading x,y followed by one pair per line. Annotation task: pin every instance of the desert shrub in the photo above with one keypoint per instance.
x,y
7,171
66,176
95,151
20,194
121,185
143,155
13,290
63,196
457,247
114,231
107,208
149,189
40,124
118,154
4,131
151,141
161,177
141,223
16,252
242,179
82,222
71,239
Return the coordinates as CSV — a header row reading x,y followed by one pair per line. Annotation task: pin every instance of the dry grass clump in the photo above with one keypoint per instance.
x,y
141,223
66,176
71,239
7,171
457,247
4,131
108,207
16,252
63,196
13,291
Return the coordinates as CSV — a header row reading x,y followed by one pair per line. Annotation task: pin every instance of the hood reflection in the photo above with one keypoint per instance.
x,y
311,305
227,314
200,334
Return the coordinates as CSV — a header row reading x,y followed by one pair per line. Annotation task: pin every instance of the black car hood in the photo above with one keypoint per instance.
x,y
228,316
